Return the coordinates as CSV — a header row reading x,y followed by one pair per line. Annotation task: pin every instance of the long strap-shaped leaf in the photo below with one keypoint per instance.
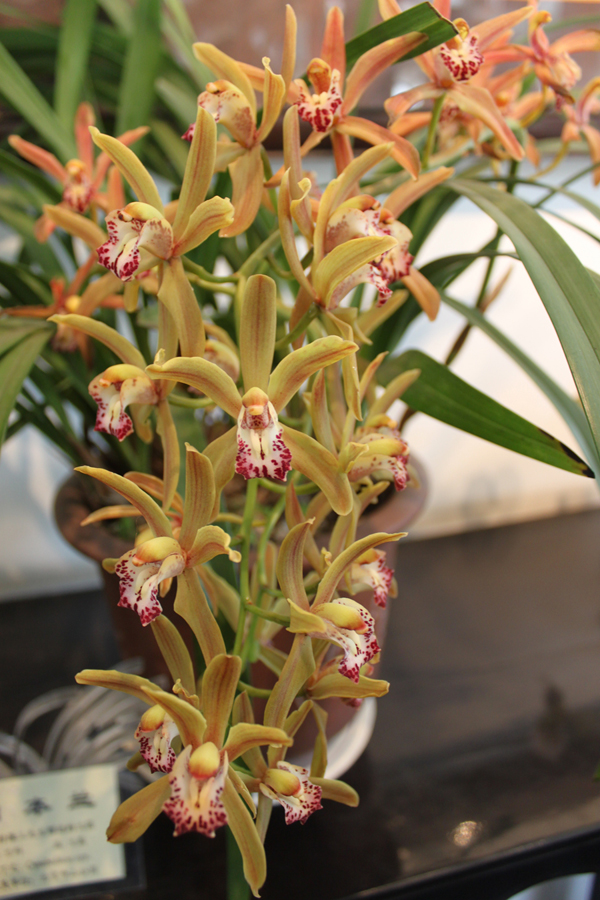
x,y
73,53
568,407
14,368
441,394
566,289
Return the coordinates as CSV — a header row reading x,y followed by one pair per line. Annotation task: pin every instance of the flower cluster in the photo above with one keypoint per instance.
x,y
295,421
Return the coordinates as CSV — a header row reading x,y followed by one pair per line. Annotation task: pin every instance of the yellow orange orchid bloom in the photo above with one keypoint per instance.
x,y
329,109
260,446
452,69
578,122
81,178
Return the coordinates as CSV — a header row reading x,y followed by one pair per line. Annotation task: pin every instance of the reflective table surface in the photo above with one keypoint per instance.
x,y
486,744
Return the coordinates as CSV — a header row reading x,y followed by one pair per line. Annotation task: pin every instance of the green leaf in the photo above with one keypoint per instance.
x,y
42,188
72,61
14,330
171,144
570,295
120,13
423,18
142,62
179,99
441,394
14,368
568,408
21,93
25,288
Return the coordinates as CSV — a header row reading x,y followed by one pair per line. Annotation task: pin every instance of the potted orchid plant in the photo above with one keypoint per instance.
x,y
278,357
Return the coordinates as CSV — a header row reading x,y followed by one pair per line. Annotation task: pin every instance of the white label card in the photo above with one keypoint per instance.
x,y
53,830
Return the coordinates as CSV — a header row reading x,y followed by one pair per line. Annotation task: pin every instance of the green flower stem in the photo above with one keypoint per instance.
x,y
270,616
254,691
201,272
190,402
300,327
309,488
430,142
210,286
260,253
246,535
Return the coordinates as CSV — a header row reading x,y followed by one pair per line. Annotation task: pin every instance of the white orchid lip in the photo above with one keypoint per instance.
x,y
155,734
195,803
141,571
371,571
319,110
262,452
138,236
292,787
114,390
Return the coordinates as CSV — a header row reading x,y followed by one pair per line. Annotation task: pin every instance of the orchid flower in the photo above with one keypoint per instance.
x,y
552,62
231,100
200,791
140,236
81,178
578,122
451,68
328,110
260,446
147,569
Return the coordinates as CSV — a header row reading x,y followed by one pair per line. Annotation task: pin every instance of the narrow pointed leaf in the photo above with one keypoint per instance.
x,y
422,17
74,43
442,395
14,369
151,511
142,63
566,289
175,653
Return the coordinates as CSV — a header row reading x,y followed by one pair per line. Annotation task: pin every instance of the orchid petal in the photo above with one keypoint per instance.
x,y
288,57
274,95
397,105
298,366
331,578
119,345
151,511
191,605
113,680
199,170
222,453
290,564
258,324
247,177
479,102
336,790
320,466
42,159
592,136
294,515
175,653
297,669
176,293
406,194
393,391
349,364
426,295
500,26
226,68
372,63
170,447
377,315
204,376
110,512
319,413
212,215
299,202
388,8
135,815
288,240
153,486
577,41
199,495
246,837
335,685
190,722
244,736
333,48
219,684
211,541
132,170
221,594
344,260
76,225
403,152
